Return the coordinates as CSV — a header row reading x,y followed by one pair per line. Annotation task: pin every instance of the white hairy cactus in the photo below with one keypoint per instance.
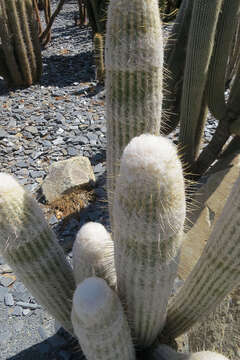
x,y
100,323
93,254
149,213
134,65
164,352
30,247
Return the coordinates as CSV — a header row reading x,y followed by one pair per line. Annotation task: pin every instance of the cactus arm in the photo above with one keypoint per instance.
x,y
99,322
149,212
99,62
23,14
93,254
31,249
3,67
222,133
226,28
15,24
33,26
134,59
214,276
175,56
6,38
199,50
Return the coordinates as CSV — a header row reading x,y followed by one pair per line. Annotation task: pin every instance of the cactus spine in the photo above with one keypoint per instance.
x,y
99,57
93,254
216,273
148,217
31,249
134,59
99,322
19,36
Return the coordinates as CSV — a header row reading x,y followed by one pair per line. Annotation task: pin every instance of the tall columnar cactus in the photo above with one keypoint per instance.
x,y
30,248
134,59
93,254
216,273
20,43
226,28
99,322
99,56
148,217
199,50
163,352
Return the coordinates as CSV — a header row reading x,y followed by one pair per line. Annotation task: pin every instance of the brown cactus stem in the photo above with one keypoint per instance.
x,y
35,39
211,152
21,8
44,34
3,67
16,29
200,126
15,76
47,14
233,147
222,133
36,10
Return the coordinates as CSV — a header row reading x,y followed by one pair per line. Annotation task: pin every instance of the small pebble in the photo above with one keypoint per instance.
x,y
8,299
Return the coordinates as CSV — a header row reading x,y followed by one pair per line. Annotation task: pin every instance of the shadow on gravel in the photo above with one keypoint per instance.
x,y
51,349
91,92
3,88
63,70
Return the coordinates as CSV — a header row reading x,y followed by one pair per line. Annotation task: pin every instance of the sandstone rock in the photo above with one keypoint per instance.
x,y
209,200
66,175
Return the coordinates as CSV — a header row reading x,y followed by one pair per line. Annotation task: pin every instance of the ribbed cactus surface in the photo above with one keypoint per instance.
x,y
149,213
31,249
99,56
93,254
100,323
199,50
20,43
216,273
226,28
134,59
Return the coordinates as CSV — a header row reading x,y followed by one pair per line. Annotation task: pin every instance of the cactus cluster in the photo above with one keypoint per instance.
x,y
119,304
20,53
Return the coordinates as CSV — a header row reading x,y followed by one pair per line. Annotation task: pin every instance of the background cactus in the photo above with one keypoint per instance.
x,y
99,56
20,43
203,59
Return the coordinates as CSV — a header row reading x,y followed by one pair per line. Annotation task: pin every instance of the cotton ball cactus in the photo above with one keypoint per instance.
x,y
164,352
148,216
99,322
93,254
30,247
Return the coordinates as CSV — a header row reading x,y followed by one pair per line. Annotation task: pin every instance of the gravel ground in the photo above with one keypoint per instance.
x,y
61,117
